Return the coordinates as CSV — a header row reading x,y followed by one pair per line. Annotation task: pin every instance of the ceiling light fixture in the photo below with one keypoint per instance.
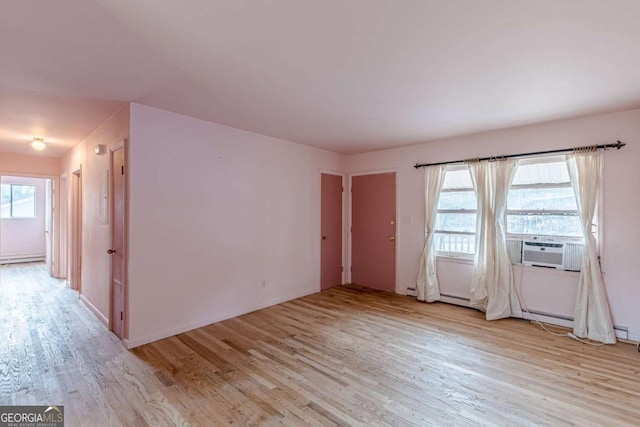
x,y
38,144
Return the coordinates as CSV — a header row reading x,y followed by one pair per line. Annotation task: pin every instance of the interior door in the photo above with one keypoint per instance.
x,y
48,232
117,242
373,231
330,230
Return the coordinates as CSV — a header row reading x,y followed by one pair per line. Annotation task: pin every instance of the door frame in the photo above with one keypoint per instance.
x,y
74,232
350,221
49,206
125,241
56,237
344,225
63,210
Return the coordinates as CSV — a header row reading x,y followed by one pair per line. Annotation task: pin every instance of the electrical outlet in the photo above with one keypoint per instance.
x,y
263,284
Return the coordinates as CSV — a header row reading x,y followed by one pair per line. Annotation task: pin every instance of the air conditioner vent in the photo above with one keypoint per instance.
x,y
573,256
543,253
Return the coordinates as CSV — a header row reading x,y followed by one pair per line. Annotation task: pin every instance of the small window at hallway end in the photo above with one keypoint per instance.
x,y
17,201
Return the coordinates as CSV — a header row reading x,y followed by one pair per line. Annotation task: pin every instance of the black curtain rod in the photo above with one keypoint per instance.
x,y
618,145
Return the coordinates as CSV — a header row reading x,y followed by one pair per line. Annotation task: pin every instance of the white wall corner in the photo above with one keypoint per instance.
x,y
95,311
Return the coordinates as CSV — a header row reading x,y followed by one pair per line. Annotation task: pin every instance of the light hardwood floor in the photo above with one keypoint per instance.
x,y
346,356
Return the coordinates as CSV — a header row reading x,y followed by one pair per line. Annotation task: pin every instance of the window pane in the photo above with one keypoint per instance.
x,y
457,179
545,225
460,243
23,201
458,200
539,173
561,199
464,222
5,201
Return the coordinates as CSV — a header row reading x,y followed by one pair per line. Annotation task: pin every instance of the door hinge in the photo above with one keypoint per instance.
x,y
351,268
121,316
122,169
342,268
343,189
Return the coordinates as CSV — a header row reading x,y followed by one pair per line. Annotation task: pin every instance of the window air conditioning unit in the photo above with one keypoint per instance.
x,y
543,253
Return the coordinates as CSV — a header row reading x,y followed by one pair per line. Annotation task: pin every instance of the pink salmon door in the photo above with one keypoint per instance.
x,y
118,244
330,230
373,232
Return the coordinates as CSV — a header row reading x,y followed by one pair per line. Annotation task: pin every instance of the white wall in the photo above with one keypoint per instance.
x,y
24,237
551,292
213,212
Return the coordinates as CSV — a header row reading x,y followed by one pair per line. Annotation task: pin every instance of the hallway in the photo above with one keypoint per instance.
x,y
54,351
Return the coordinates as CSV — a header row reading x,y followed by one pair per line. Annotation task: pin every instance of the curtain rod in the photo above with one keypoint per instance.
x,y
618,145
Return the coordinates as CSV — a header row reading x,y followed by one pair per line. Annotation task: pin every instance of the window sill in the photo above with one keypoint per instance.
x,y
455,258
469,259
17,218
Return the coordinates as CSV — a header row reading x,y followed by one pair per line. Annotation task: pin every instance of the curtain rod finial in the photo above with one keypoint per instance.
x,y
620,144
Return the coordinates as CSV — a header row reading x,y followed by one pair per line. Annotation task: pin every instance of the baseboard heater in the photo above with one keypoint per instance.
x,y
21,259
622,332
455,297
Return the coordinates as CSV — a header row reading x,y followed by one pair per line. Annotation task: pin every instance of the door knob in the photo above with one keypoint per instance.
x,y
392,238
111,251
324,237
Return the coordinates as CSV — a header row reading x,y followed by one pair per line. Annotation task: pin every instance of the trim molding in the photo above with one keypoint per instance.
x,y
136,342
95,311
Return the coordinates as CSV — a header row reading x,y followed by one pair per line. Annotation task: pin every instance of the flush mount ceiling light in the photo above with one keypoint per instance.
x,y
38,144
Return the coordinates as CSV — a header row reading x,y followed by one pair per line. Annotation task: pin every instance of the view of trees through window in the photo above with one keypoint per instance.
x,y
17,201
541,202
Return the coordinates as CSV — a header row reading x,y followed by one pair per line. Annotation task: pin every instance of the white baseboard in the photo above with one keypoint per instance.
x,y
214,318
101,317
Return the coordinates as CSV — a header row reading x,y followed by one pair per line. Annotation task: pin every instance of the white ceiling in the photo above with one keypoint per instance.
x,y
346,75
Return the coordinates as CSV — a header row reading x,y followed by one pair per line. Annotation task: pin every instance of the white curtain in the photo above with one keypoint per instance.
x,y
592,315
427,288
492,287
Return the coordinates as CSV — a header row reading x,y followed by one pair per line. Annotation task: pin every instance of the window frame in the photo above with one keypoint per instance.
x,y
509,235
11,201
538,212
463,255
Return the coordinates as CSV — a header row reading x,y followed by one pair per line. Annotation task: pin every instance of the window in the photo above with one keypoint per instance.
x,y
17,201
541,200
456,216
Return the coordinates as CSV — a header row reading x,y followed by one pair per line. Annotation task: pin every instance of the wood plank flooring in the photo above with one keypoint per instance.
x,y
345,356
